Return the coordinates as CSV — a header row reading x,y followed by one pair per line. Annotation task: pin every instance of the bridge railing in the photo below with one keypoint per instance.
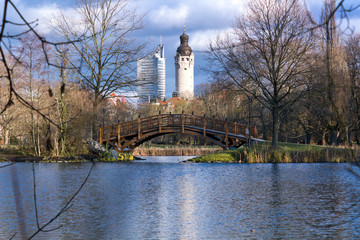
x,y
173,120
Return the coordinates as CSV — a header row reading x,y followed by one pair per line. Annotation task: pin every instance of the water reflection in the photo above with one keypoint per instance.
x,y
162,200
274,206
18,199
188,221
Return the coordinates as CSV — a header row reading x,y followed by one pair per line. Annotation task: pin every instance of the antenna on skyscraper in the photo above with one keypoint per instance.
x,y
160,39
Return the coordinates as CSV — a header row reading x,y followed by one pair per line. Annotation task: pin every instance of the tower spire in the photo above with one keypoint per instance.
x,y
184,28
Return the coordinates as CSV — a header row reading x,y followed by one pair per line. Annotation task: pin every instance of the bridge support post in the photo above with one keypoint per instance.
x,y
254,131
100,136
139,128
118,136
159,120
247,131
226,135
182,122
204,126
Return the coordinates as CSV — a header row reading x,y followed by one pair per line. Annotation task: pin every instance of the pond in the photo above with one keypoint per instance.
x,y
163,198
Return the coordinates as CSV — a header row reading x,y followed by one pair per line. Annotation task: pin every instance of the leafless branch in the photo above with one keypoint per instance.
x,y
65,207
339,8
35,204
35,200
7,165
21,24
12,237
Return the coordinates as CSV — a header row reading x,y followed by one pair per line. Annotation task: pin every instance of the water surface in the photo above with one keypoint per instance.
x,y
161,198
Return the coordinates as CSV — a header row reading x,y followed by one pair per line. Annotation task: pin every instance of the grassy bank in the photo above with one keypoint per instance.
x,y
13,153
10,152
286,153
174,150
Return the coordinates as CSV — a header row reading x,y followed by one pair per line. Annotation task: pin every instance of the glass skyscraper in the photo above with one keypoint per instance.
x,y
151,76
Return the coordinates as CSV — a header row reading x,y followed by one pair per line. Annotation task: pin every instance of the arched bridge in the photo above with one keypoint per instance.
x,y
132,134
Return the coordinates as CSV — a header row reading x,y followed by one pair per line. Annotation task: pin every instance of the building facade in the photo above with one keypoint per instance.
x,y
184,69
151,76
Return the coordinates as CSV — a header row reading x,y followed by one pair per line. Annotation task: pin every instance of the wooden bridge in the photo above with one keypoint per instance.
x,y
129,135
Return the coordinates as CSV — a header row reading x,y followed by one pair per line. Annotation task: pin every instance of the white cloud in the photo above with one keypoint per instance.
x,y
40,15
166,17
199,40
44,14
196,15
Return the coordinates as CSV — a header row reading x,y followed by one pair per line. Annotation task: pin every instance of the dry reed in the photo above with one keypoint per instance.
x,y
173,151
286,153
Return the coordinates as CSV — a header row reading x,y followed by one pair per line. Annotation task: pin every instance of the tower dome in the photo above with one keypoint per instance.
x,y
184,49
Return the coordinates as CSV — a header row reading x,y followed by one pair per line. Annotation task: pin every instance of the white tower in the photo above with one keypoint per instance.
x,y
184,69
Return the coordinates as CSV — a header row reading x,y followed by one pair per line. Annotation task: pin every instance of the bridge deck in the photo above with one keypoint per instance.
x,y
131,134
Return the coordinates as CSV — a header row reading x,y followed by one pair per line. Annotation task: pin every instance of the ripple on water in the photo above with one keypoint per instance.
x,y
160,199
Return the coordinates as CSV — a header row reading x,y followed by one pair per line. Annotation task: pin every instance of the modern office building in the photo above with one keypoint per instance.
x,y
151,76
184,69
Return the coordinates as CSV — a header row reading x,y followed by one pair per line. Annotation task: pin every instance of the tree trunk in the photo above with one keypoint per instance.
x,y
307,137
323,139
349,137
63,109
63,119
94,121
275,127
7,137
38,133
263,124
357,139
333,137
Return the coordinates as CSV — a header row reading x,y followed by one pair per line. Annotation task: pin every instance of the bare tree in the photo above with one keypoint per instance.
x,y
30,78
104,60
266,54
352,52
216,101
330,79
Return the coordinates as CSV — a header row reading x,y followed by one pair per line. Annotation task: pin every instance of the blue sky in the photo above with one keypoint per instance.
x,y
204,19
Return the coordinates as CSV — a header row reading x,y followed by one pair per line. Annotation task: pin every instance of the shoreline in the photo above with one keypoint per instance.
x,y
11,153
259,153
285,153
20,159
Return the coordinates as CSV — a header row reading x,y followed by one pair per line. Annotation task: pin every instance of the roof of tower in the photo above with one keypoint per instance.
x,y
184,37
158,53
184,49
